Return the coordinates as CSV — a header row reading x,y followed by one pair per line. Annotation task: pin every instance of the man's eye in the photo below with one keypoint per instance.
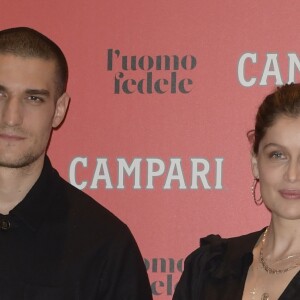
x,y
35,99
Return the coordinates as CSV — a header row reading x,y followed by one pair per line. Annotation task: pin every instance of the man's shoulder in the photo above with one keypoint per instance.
x,y
81,210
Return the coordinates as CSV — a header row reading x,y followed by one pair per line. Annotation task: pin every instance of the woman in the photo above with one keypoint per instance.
x,y
263,265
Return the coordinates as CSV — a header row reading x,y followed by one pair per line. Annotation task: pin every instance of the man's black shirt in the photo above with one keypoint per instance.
x,y
60,244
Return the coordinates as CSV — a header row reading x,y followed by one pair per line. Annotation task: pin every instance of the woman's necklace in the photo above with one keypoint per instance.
x,y
272,270
264,296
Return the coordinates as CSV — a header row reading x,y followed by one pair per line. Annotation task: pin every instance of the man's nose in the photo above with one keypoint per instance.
x,y
12,112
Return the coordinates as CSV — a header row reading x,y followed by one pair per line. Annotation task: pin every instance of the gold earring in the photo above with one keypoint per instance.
x,y
258,201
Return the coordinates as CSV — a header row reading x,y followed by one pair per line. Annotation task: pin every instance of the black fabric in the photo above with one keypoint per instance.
x,y
218,270
61,244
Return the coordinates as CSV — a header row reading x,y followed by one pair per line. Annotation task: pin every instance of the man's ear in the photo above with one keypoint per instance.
x,y
254,166
61,108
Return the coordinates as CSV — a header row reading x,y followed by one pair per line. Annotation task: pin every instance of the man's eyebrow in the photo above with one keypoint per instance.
x,y
37,92
30,91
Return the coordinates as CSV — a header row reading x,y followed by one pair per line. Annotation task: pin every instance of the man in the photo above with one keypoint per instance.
x,y
55,241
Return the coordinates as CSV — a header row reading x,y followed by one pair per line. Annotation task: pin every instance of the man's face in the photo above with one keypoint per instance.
x,y
28,109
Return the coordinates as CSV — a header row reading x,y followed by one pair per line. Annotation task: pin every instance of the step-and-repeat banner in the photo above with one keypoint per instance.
x,y
163,94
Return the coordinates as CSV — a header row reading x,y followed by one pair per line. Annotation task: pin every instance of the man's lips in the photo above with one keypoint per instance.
x,y
11,137
290,194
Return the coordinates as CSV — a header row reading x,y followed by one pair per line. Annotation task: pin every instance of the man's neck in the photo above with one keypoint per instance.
x,y
15,183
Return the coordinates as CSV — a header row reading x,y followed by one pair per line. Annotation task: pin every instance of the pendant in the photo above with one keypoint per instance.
x,y
265,296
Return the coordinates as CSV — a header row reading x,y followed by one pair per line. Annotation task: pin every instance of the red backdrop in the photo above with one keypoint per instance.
x,y
163,94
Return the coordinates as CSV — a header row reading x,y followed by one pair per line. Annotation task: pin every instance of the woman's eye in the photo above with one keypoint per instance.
x,y
277,155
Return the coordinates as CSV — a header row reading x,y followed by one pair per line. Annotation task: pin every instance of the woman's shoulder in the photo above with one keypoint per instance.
x,y
217,258
214,245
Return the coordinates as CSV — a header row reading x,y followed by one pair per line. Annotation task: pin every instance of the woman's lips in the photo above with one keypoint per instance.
x,y
290,194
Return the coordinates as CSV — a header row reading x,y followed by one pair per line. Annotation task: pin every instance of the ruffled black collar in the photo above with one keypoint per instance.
x,y
229,257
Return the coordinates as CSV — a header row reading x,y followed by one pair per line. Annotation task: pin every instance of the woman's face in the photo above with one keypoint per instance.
x,y
277,165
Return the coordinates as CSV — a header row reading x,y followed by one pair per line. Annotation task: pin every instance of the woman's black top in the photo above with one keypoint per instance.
x,y
218,270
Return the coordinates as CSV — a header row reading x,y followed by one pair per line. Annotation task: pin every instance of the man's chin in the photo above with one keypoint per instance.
x,y
18,163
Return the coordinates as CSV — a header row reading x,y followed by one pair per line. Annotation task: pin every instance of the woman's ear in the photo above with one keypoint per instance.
x,y
254,166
